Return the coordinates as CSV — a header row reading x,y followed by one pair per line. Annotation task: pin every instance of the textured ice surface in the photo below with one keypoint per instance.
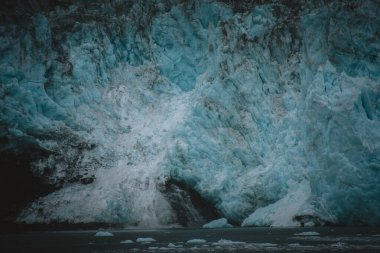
x,y
220,223
126,241
103,233
172,245
270,112
308,233
196,241
224,242
145,239
281,213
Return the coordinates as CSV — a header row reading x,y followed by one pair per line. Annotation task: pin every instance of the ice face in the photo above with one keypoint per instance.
x,y
269,113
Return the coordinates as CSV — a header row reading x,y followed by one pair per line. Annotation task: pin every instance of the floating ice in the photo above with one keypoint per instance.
x,y
308,233
172,245
224,242
196,241
220,223
145,239
103,233
127,241
265,244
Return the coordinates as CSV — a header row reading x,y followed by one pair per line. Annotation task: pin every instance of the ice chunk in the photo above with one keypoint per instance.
x,y
338,245
103,233
266,244
145,239
126,241
196,241
172,245
220,223
282,212
309,224
223,242
308,233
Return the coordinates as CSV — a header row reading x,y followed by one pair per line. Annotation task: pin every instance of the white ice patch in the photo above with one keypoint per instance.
x,y
223,242
126,241
265,244
103,233
283,211
196,241
172,245
308,233
220,223
145,239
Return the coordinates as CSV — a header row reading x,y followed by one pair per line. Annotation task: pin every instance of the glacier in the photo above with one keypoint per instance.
x,y
175,113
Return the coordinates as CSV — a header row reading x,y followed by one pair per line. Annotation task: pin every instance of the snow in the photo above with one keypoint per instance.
x,y
270,114
145,239
103,234
220,223
196,241
308,233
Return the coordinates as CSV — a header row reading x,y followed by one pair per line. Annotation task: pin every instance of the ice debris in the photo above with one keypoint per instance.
x,y
103,234
308,233
224,242
126,241
145,239
172,245
196,241
220,223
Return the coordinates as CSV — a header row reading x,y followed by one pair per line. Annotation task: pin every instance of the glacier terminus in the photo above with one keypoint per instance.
x,y
172,113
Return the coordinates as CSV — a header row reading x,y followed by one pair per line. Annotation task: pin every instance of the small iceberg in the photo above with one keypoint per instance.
x,y
220,223
103,233
196,241
223,242
127,241
266,244
308,233
145,239
172,245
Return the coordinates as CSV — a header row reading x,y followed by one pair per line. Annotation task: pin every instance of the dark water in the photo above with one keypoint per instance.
x,y
333,239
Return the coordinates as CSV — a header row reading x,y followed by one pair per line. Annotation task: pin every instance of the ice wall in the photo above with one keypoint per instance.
x,y
143,113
